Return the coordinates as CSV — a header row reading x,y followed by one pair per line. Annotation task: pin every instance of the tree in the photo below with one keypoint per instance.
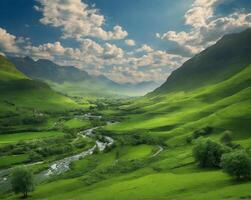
x,y
22,181
203,132
208,153
226,138
237,164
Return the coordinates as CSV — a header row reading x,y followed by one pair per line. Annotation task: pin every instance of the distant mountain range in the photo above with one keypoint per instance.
x,y
73,81
20,94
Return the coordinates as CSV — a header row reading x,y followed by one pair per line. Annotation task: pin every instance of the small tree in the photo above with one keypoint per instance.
x,y
22,181
237,164
226,138
203,132
208,153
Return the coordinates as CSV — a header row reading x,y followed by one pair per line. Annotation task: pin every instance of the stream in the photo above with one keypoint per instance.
x,y
63,165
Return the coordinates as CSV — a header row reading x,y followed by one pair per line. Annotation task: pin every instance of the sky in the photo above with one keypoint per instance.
x,y
125,40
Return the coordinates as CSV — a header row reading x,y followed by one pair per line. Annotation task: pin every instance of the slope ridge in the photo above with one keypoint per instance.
x,y
227,57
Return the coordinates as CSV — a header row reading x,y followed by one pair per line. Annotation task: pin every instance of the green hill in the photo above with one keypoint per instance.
x,y
132,171
182,106
155,136
8,70
227,57
17,92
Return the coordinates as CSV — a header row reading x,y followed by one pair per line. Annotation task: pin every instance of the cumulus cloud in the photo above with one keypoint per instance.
x,y
130,42
206,27
77,20
8,42
112,51
145,48
110,60
121,74
46,51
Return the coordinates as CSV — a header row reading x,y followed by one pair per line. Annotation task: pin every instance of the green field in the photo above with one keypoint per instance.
x,y
77,123
130,170
7,161
24,136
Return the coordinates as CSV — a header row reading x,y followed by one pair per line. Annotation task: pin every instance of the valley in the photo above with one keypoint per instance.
x,y
83,147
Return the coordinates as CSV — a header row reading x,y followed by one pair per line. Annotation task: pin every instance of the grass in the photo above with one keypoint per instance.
x,y
172,174
17,92
7,161
24,136
77,123
184,112
198,185
136,152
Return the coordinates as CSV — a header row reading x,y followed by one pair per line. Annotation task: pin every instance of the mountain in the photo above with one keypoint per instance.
x,y
47,70
212,91
228,56
19,91
73,81
8,71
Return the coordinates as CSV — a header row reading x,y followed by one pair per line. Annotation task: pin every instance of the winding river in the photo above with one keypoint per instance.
x,y
63,165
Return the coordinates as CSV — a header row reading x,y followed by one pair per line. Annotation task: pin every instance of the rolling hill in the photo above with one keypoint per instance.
x,y
76,82
18,92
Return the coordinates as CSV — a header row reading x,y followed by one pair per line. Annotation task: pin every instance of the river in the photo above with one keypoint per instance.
x,y
63,165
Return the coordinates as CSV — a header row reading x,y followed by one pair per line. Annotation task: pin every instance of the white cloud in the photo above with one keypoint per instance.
x,y
144,48
8,42
77,20
46,51
112,51
130,42
109,60
121,74
206,27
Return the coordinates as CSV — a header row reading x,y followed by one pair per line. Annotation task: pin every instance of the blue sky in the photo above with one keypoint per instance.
x,y
126,40
141,18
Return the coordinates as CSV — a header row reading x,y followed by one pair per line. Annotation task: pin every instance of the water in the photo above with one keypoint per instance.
x,y
63,165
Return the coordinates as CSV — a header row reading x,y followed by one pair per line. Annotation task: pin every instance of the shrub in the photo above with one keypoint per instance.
x,y
208,153
203,132
189,139
137,139
34,120
22,181
237,164
226,138
33,157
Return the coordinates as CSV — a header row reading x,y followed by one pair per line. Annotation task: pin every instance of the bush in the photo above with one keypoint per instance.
x,y
33,157
226,138
189,139
22,181
137,139
34,120
203,132
208,153
237,164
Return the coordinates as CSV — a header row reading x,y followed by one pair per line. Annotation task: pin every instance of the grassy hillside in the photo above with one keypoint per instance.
x,y
224,106
141,171
19,92
8,71
227,57
154,139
